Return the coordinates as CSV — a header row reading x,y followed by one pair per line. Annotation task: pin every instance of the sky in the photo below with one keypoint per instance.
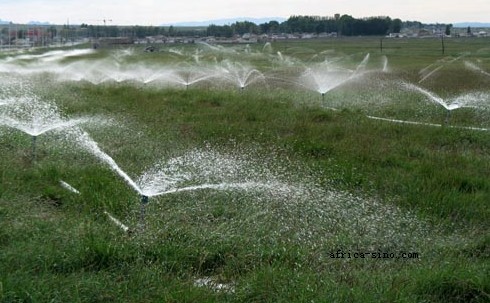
x,y
157,12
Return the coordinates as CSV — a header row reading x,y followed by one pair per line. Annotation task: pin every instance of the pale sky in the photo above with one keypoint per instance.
x,y
156,12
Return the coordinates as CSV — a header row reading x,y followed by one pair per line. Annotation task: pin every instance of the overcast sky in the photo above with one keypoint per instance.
x,y
156,12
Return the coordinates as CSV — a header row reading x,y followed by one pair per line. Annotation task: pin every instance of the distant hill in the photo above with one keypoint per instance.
x,y
38,23
28,23
471,24
226,21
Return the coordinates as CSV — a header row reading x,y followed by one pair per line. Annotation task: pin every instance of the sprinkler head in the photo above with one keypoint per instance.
x,y
34,148
144,201
448,117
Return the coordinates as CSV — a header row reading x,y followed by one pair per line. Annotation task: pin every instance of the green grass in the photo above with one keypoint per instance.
x,y
428,185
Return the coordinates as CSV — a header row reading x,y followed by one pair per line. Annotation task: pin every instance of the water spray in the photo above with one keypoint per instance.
x,y
118,223
69,187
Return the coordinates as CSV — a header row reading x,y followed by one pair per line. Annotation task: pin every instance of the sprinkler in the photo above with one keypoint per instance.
x,y
34,148
448,117
144,201
323,96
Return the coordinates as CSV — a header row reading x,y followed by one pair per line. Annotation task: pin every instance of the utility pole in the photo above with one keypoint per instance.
x,y
67,30
442,43
9,37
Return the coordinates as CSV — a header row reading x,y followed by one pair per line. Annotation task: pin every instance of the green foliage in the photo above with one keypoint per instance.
x,y
346,25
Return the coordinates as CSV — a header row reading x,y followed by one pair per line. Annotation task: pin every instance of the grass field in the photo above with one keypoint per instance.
x,y
330,206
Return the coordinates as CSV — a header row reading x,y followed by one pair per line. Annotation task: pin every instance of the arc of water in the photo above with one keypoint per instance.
x,y
325,81
426,124
384,64
154,75
438,65
432,96
240,74
219,186
329,78
249,79
470,100
430,73
94,148
38,127
189,78
362,65
474,67
465,100
197,55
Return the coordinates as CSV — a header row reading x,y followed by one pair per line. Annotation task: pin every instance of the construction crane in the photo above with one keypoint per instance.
x,y
103,32
101,20
106,20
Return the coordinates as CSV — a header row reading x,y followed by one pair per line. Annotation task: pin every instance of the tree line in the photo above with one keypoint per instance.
x,y
344,25
137,31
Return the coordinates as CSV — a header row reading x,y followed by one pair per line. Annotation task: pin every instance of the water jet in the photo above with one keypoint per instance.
x,y
239,74
477,100
329,75
35,118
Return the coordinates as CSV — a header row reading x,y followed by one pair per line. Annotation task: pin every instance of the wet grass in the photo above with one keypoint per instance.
x,y
60,247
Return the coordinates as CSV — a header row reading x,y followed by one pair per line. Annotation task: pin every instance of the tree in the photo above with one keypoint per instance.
x,y
396,25
21,33
346,23
269,27
468,31
245,27
219,31
52,31
448,29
